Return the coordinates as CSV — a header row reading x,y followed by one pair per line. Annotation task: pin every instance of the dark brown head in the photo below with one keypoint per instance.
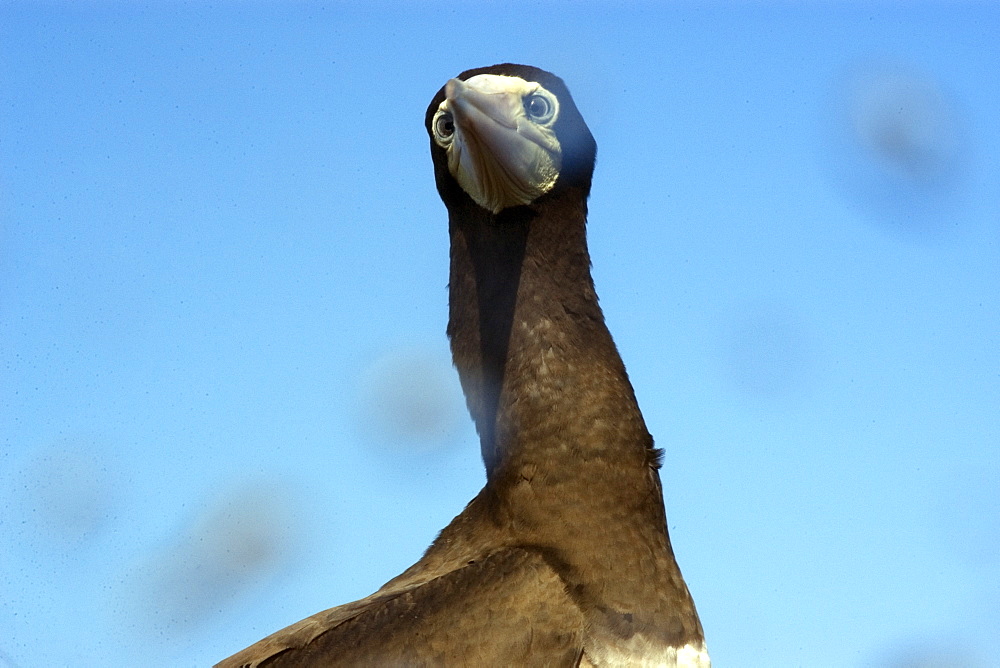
x,y
506,136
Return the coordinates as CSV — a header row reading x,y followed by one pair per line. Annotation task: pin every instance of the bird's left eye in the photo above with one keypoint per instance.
x,y
539,108
444,127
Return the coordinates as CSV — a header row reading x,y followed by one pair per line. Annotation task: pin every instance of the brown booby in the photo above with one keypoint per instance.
x,y
563,558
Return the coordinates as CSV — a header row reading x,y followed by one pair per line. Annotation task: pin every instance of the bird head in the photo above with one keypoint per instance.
x,y
507,135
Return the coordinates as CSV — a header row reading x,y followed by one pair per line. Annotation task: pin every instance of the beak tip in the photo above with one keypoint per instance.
x,y
453,88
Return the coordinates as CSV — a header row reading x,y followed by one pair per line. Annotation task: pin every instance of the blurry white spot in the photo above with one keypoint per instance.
x,y
766,354
925,655
411,398
235,543
969,519
899,150
70,488
6,661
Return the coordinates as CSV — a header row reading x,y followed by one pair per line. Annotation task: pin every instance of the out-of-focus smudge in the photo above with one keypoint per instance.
x,y
237,541
928,655
411,398
70,488
766,352
898,150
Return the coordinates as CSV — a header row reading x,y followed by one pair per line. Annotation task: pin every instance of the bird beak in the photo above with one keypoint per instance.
x,y
480,110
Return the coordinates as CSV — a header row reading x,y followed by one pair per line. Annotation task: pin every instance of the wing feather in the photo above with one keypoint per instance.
x,y
509,608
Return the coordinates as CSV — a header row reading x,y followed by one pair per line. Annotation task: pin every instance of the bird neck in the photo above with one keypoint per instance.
x,y
565,446
541,374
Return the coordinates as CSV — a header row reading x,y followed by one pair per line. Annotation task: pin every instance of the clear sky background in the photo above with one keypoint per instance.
x,y
226,400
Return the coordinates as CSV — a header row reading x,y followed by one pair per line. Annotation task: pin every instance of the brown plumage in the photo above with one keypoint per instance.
x,y
563,558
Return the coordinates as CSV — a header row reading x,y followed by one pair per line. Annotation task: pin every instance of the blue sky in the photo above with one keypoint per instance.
x,y
226,400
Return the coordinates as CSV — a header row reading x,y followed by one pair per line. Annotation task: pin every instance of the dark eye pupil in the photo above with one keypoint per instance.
x,y
445,125
537,106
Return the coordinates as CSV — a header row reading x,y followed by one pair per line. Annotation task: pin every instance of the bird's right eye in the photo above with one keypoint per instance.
x,y
444,126
538,108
